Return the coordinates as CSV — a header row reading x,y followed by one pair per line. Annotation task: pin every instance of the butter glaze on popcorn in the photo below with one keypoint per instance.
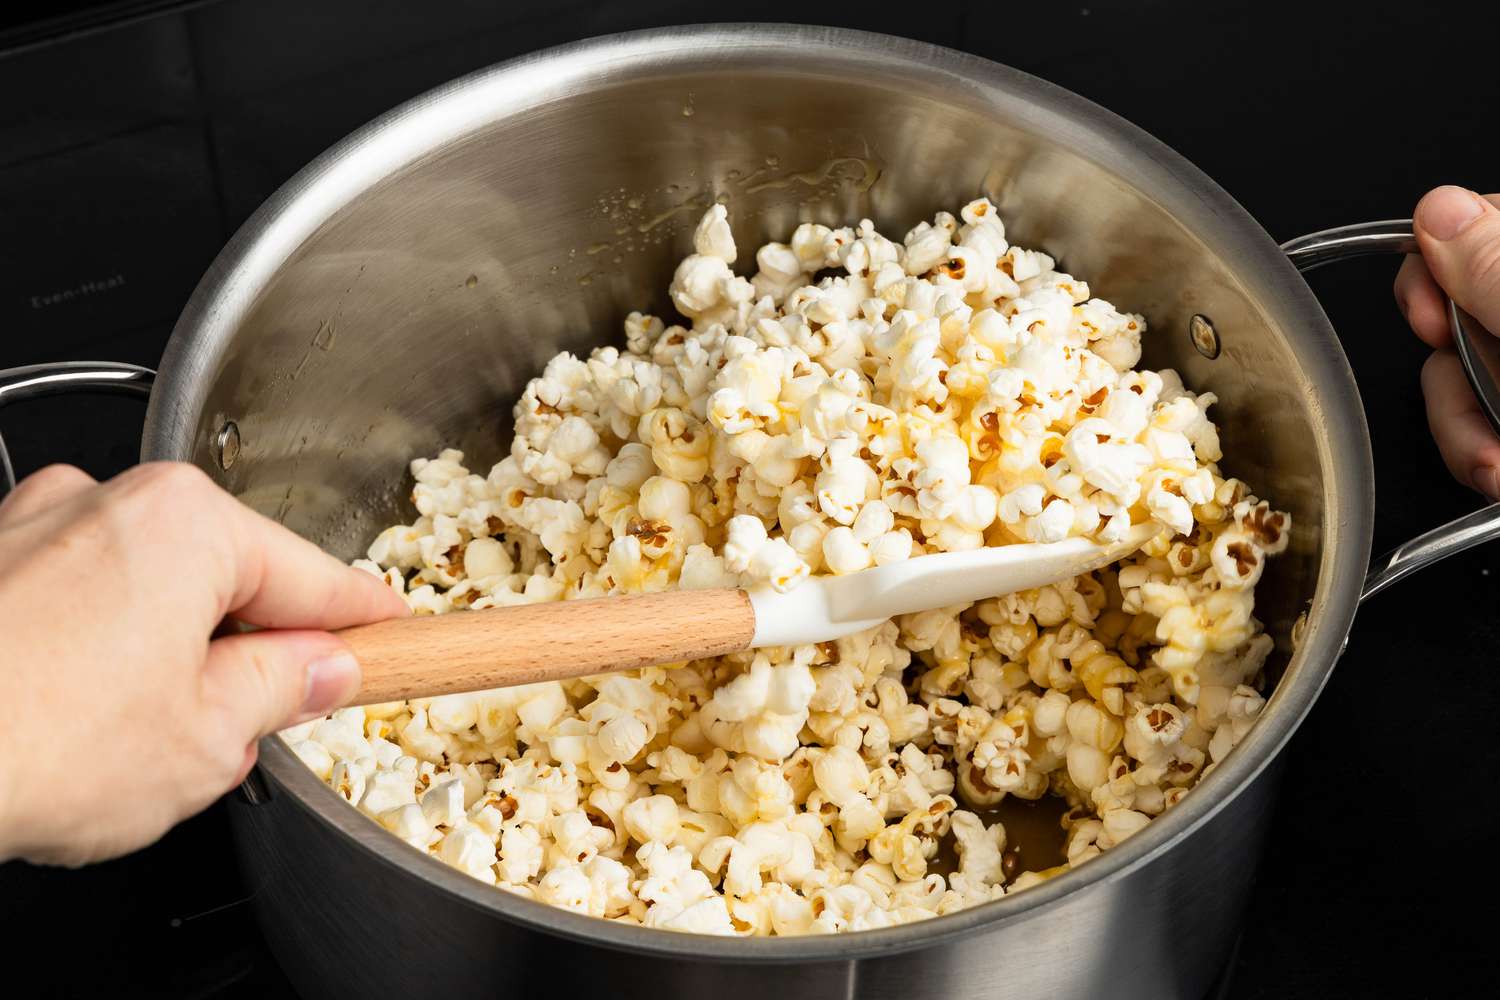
x,y
939,394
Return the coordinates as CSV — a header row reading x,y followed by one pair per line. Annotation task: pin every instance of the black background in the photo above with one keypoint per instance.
x,y
135,137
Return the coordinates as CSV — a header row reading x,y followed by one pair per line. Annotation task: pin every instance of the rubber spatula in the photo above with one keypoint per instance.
x,y
499,647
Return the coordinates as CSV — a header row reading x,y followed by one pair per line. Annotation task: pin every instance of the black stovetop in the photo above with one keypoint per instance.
x,y
136,136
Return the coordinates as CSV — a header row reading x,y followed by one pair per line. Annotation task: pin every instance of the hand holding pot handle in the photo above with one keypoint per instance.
x,y
1458,233
1476,359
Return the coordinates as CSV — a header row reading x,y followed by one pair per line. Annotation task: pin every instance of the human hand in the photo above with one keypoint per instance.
x,y
124,715
1459,235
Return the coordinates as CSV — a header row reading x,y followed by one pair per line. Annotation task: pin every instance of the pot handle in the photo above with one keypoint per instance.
x,y
33,381
1480,354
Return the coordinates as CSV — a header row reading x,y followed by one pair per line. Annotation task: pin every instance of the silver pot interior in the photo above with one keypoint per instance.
x,y
396,297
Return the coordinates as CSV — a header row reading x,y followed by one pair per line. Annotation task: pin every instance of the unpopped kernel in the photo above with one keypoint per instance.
x,y
943,393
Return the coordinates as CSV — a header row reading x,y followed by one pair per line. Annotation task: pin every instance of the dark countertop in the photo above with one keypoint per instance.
x,y
137,149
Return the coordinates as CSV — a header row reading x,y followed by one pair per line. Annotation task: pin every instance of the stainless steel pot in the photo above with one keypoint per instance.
x,y
395,296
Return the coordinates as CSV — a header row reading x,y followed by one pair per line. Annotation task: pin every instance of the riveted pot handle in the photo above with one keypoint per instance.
x,y
1480,354
33,381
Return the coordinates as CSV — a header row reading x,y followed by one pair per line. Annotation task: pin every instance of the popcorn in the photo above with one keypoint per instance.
x,y
712,237
1238,555
443,803
1117,824
702,282
408,823
771,560
746,536
680,896
843,553
316,756
943,393
342,735
386,791
520,854
652,819
980,854
928,243
470,850
348,781
841,775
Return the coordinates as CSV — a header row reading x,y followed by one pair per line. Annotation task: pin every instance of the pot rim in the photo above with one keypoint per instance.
x,y
249,262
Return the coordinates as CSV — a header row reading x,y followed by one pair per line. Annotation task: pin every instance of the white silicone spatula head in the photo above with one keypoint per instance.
x,y
824,608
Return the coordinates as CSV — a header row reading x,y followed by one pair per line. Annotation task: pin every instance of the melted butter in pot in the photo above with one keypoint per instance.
x,y
1034,836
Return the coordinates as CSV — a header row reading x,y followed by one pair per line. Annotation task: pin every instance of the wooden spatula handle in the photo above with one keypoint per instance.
x,y
498,647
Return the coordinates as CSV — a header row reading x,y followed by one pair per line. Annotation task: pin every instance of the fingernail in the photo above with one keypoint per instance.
x,y
1447,210
1487,481
331,681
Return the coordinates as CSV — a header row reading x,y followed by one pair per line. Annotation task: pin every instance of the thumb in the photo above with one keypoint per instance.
x,y
1459,233
262,682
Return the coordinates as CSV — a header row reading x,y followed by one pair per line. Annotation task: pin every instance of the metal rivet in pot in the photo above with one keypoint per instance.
x,y
227,445
1205,338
